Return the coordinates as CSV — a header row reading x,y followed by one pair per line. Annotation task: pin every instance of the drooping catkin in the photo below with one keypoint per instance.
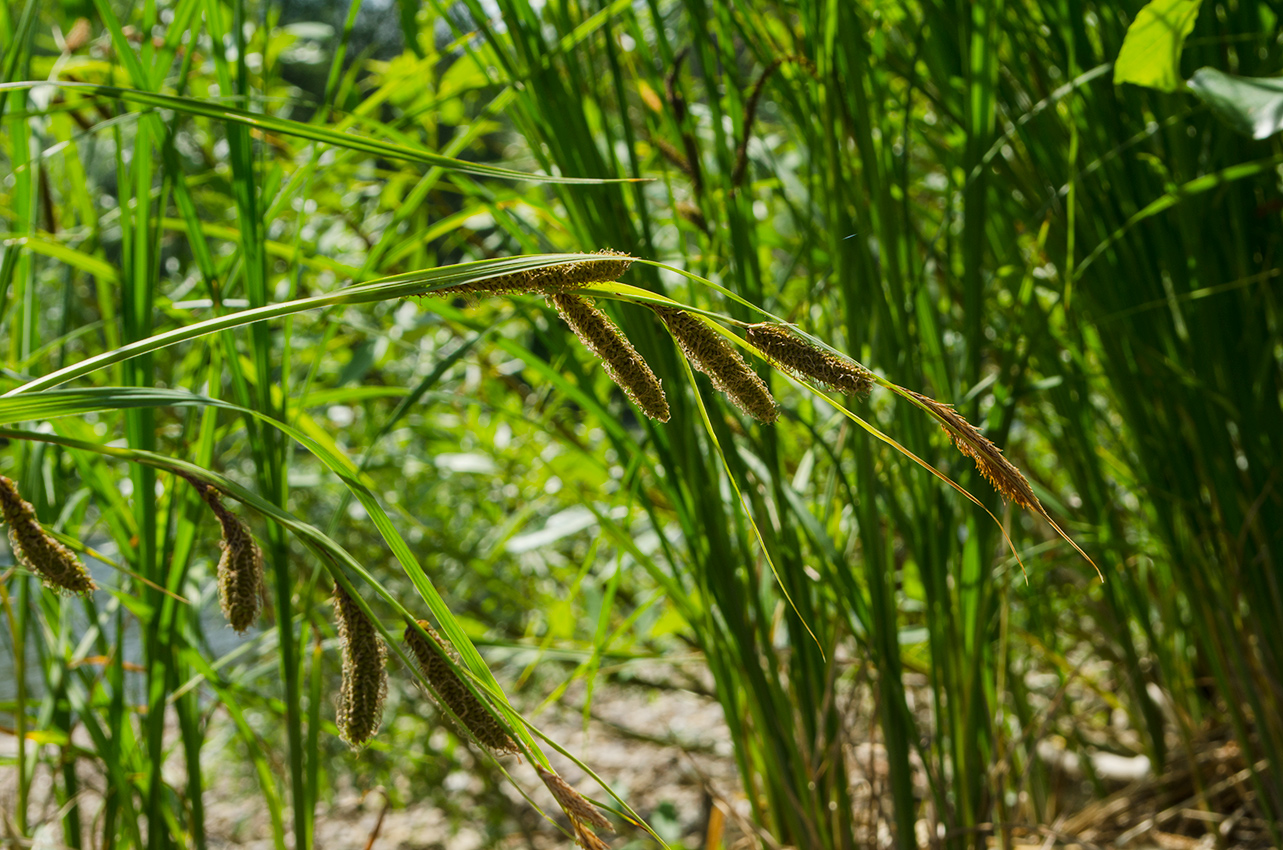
x,y
560,277
365,677
471,714
791,352
714,356
240,567
584,816
621,361
1000,472
57,566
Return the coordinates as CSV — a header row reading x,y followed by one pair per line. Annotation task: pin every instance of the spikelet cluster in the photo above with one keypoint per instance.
x,y
240,567
1000,472
791,352
57,566
471,714
584,816
621,361
365,678
558,278
714,356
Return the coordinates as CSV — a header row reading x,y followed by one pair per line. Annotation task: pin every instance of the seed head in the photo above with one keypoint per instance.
x,y
1000,472
558,278
621,361
57,566
471,714
714,356
791,352
240,567
365,679
584,816
586,838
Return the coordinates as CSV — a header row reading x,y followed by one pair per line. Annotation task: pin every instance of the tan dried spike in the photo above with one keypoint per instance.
x,y
471,714
365,676
586,838
621,361
575,805
997,470
57,566
709,352
78,36
558,278
241,591
791,352
1000,472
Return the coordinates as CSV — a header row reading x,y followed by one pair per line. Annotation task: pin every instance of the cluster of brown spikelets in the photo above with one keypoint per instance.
x,y
997,470
558,278
703,345
465,707
57,566
365,676
240,567
584,816
625,366
708,350
364,686
794,354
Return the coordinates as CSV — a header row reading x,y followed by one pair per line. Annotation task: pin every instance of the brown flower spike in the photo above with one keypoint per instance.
x,y
365,678
796,355
714,356
1000,472
560,277
621,361
584,816
56,565
240,568
997,470
471,714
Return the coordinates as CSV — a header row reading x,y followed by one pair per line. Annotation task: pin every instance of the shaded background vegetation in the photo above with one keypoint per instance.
x,y
954,193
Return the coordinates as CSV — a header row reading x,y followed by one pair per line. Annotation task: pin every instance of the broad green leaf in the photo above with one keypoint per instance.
x,y
1151,53
1251,105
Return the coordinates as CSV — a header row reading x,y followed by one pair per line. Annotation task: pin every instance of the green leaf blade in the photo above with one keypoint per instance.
x,y
1251,105
1151,52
